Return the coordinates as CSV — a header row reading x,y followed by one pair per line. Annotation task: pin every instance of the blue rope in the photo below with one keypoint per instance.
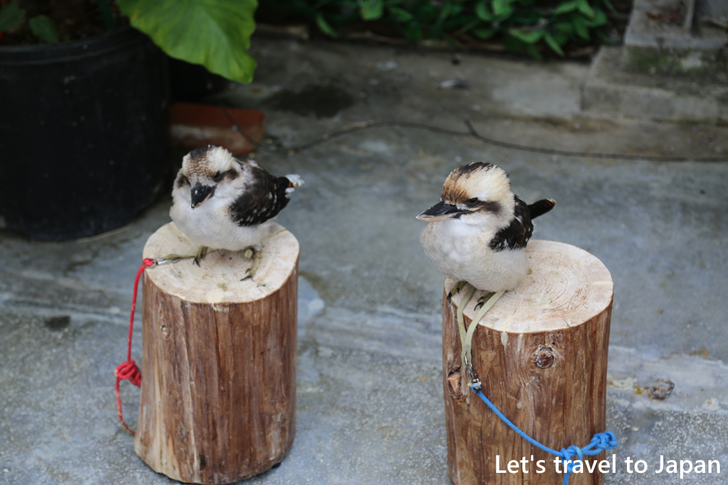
x,y
599,443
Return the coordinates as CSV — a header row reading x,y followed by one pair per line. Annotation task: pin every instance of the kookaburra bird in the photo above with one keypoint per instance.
x,y
220,202
479,230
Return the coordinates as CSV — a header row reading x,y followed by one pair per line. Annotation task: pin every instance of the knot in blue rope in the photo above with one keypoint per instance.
x,y
567,454
604,441
600,441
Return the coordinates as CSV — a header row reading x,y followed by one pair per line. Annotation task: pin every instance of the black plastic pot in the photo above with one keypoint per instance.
x,y
84,134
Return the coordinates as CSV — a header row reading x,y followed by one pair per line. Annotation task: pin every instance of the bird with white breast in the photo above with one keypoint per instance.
x,y
477,234
479,230
220,202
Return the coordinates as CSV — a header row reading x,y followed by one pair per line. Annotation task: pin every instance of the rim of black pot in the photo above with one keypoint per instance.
x,y
96,45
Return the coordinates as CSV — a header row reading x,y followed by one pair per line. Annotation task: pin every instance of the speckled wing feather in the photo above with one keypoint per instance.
x,y
262,199
518,232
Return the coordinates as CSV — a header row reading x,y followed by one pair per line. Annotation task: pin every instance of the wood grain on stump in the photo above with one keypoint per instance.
x,y
218,363
541,355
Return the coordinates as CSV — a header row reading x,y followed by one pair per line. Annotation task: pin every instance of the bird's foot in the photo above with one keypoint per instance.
x,y
482,300
256,255
488,301
459,285
201,253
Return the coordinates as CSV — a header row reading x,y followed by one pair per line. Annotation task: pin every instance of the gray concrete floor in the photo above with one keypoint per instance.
x,y
370,402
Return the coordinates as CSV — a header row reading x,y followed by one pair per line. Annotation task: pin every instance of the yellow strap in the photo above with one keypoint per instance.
x,y
466,336
461,321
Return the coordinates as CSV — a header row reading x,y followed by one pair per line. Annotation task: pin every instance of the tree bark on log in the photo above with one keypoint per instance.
x,y
541,355
218,390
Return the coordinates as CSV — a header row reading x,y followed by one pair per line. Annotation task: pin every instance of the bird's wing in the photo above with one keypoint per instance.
x,y
541,207
518,232
262,199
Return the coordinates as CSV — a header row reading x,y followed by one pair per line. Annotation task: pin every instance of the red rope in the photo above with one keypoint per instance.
x,y
129,369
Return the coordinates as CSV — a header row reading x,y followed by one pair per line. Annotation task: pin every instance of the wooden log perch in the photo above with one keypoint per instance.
x,y
541,355
218,386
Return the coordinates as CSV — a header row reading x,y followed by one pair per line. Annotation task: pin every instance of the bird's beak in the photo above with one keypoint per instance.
x,y
200,193
439,211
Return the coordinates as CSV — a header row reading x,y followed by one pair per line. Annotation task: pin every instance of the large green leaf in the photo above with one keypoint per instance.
x,y
214,33
44,28
10,16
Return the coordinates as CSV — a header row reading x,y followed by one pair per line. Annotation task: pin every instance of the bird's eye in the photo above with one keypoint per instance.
x,y
217,177
472,202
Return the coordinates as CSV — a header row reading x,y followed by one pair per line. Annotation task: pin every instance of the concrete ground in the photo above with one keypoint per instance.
x,y
370,401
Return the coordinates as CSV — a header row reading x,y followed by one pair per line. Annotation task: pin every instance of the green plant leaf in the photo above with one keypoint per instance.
x,y
484,33
483,12
400,15
527,37
580,26
325,27
502,8
371,9
551,42
567,7
585,8
600,18
10,16
44,28
214,33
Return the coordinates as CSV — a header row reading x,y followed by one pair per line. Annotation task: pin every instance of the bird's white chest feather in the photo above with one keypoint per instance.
x,y
462,252
211,224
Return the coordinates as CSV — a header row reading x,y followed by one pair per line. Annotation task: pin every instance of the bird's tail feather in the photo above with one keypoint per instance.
x,y
541,207
294,181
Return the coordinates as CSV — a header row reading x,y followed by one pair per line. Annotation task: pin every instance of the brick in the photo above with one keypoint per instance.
x,y
195,125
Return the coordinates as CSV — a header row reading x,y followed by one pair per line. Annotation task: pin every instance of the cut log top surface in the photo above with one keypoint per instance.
x,y
566,286
218,278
